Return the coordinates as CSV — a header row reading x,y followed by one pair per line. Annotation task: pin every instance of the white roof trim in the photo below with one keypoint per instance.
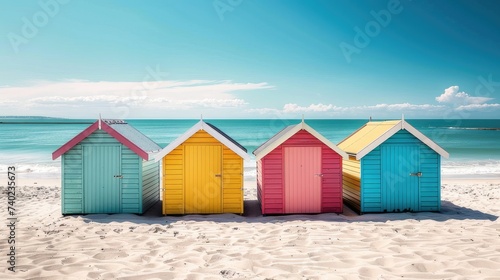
x,y
325,141
370,147
292,132
201,125
400,126
427,141
278,142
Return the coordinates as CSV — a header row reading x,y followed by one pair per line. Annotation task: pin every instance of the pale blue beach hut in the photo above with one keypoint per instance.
x,y
109,168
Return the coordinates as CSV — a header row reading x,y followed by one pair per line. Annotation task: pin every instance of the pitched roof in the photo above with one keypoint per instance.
x,y
121,131
372,134
227,136
288,132
210,129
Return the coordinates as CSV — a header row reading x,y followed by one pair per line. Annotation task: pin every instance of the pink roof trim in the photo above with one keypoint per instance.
x,y
143,154
77,139
89,130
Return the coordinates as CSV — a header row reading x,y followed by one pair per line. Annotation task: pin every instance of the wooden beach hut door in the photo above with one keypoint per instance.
x,y
101,179
203,179
302,175
400,178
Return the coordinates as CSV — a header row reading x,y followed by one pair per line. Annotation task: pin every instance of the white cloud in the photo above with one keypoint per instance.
x,y
461,101
82,100
206,102
191,89
454,96
264,111
397,107
478,107
290,109
216,103
293,108
7,101
48,97
313,108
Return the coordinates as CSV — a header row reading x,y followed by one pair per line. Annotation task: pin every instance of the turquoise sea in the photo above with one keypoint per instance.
x,y
474,145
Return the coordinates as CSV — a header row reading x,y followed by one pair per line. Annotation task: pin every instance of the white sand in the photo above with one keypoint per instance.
x,y
463,241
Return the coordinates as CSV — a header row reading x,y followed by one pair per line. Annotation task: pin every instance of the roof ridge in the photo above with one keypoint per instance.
x,y
114,121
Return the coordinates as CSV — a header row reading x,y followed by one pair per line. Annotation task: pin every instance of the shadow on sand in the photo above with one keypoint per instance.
x,y
449,211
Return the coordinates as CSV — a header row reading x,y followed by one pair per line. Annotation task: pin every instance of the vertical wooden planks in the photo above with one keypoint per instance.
x,y
232,182
400,190
302,167
203,179
101,186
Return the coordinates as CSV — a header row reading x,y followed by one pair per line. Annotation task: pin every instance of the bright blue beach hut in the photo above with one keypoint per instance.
x,y
109,168
392,167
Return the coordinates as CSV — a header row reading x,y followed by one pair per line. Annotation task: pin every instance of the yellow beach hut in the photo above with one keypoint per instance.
x,y
203,172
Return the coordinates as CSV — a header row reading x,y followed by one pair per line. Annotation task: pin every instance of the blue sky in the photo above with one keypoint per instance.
x,y
250,59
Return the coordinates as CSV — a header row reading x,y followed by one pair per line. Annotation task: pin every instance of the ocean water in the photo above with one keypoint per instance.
x,y
27,143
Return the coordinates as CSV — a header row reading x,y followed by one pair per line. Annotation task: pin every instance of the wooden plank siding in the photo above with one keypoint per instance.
x,y
72,181
430,182
331,168
131,170
272,182
150,184
370,199
260,197
173,182
352,183
131,181
174,177
371,178
232,182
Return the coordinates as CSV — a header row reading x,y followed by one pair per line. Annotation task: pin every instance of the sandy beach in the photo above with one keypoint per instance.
x,y
460,242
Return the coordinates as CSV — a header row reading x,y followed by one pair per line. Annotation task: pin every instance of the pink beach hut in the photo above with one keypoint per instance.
x,y
299,171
